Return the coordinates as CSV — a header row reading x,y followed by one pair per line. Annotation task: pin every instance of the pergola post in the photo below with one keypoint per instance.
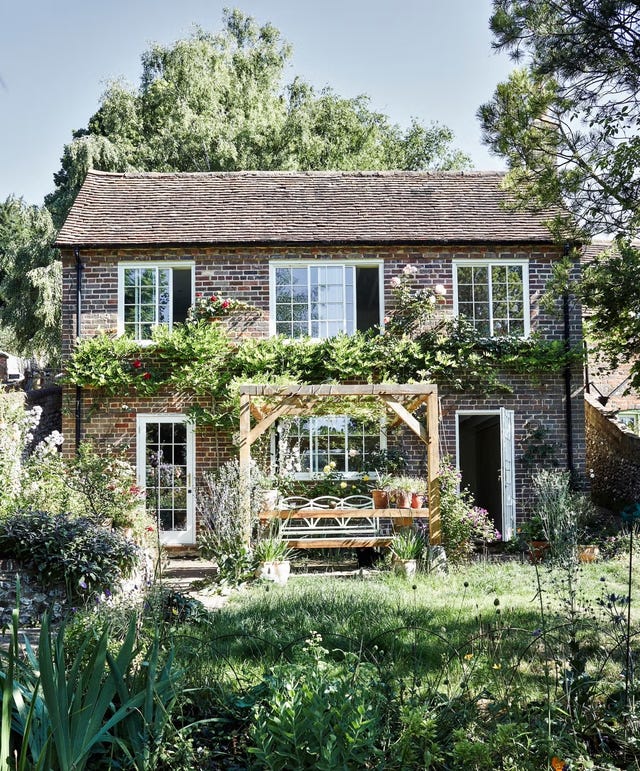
x,y
245,465
433,470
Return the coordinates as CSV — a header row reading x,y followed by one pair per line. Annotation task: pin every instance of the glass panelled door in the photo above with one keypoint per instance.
x,y
165,470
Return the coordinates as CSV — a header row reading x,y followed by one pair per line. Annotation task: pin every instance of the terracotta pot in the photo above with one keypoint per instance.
x,y
418,501
537,550
380,499
588,553
400,500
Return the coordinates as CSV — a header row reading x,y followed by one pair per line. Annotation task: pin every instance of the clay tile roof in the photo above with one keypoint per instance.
x,y
294,207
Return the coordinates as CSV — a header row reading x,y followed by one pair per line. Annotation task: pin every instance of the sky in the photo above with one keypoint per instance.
x,y
428,59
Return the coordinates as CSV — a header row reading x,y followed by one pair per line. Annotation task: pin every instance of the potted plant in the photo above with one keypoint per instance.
x,y
380,493
419,496
272,556
407,548
402,489
534,535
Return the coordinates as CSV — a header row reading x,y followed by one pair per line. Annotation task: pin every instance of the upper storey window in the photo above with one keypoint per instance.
x,y
324,299
153,294
494,296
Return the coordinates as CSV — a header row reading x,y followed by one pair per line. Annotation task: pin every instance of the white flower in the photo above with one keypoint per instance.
x,y
432,299
409,270
440,289
395,282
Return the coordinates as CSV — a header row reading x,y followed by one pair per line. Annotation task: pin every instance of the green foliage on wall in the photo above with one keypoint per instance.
x,y
201,359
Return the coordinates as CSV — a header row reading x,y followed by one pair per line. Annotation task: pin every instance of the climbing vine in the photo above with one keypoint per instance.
x,y
202,359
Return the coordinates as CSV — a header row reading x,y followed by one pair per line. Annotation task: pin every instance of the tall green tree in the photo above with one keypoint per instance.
x,y
30,281
568,123
220,102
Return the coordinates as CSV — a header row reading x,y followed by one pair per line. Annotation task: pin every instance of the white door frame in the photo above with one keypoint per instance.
x,y
507,464
170,537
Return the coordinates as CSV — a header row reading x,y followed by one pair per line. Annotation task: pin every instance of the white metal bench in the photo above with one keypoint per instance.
x,y
328,522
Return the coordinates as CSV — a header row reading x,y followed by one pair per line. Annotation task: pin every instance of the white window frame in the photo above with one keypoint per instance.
x,y
635,415
310,475
159,265
501,263
274,264
507,464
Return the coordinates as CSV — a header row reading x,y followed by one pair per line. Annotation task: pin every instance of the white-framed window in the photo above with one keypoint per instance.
x,y
306,446
494,296
150,294
323,299
631,419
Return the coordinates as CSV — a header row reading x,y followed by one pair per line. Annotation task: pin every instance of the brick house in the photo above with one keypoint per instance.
x,y
138,248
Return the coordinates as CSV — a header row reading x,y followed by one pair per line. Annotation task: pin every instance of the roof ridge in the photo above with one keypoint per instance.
x,y
294,173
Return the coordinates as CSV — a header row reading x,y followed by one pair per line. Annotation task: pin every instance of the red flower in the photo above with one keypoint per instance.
x,y
137,363
147,375
213,298
225,303
149,529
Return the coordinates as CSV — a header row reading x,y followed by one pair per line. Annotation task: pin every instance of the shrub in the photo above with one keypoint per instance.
x,y
563,512
222,539
72,551
462,522
318,714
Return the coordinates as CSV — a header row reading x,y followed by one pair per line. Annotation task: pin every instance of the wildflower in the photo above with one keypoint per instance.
x,y
468,656
497,666
365,477
82,583
559,765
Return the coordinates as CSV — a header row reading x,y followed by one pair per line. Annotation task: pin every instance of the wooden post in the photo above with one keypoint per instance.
x,y
245,465
433,466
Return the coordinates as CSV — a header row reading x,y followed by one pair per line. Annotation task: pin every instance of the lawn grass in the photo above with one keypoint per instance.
x,y
412,628
487,666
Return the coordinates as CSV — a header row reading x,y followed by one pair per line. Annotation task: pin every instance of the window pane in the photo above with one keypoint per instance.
x,y
334,298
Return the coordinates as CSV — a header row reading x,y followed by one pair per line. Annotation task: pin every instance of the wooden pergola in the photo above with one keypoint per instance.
x,y
265,404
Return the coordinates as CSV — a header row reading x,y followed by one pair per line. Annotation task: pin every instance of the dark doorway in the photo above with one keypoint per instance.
x,y
480,459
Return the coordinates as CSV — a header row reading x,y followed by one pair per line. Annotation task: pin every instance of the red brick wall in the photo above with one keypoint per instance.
x,y
243,273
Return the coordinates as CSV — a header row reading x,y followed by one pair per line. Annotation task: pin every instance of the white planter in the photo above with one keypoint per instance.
x,y
276,571
406,568
270,499
282,570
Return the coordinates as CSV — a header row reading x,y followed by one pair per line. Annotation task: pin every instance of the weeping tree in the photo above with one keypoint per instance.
x,y
30,281
220,102
210,102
